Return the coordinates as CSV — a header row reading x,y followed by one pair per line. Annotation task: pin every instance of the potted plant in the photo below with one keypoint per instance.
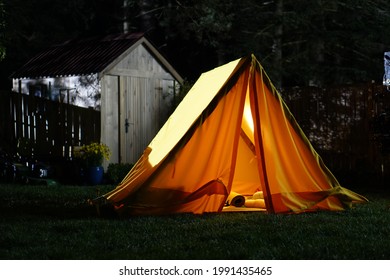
x,y
92,157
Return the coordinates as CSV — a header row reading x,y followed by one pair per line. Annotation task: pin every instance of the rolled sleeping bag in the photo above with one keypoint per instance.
x,y
255,203
258,195
235,199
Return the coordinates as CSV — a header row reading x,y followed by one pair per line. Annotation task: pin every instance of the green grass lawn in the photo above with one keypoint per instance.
x,y
55,222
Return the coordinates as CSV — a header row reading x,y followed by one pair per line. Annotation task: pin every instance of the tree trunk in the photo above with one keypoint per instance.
x,y
147,23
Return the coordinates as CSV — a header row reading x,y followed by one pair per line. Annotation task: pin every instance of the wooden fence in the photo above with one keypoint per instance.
x,y
340,122
48,130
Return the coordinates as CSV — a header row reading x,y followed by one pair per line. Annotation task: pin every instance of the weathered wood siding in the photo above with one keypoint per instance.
x,y
109,111
146,92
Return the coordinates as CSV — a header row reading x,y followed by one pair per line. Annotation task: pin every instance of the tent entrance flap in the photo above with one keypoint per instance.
x,y
246,172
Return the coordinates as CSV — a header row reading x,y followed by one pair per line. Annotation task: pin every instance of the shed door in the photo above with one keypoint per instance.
x,y
147,104
139,117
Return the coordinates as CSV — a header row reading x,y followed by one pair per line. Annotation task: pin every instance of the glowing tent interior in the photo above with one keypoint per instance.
x,y
231,144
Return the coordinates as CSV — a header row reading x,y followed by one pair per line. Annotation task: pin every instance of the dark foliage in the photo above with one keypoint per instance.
x,y
298,42
117,171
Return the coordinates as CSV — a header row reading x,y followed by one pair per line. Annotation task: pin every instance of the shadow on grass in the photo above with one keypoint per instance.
x,y
60,202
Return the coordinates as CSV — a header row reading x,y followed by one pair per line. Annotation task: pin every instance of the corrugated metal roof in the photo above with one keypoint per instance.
x,y
78,57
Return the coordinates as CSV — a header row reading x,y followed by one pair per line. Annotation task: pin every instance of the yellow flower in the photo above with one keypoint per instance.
x,y
94,153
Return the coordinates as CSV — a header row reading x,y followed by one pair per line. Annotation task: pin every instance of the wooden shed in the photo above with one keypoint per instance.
x,y
124,76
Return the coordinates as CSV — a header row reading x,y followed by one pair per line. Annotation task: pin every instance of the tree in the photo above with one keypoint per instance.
x,y
198,32
337,41
299,42
32,26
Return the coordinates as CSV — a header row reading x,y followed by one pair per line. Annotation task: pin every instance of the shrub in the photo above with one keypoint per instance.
x,y
117,171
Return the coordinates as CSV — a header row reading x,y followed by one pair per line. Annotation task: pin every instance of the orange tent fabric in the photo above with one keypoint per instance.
x,y
231,133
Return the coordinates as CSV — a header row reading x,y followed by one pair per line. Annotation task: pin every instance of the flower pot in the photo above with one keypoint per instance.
x,y
94,175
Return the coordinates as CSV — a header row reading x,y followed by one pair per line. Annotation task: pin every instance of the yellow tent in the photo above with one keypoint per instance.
x,y
231,144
